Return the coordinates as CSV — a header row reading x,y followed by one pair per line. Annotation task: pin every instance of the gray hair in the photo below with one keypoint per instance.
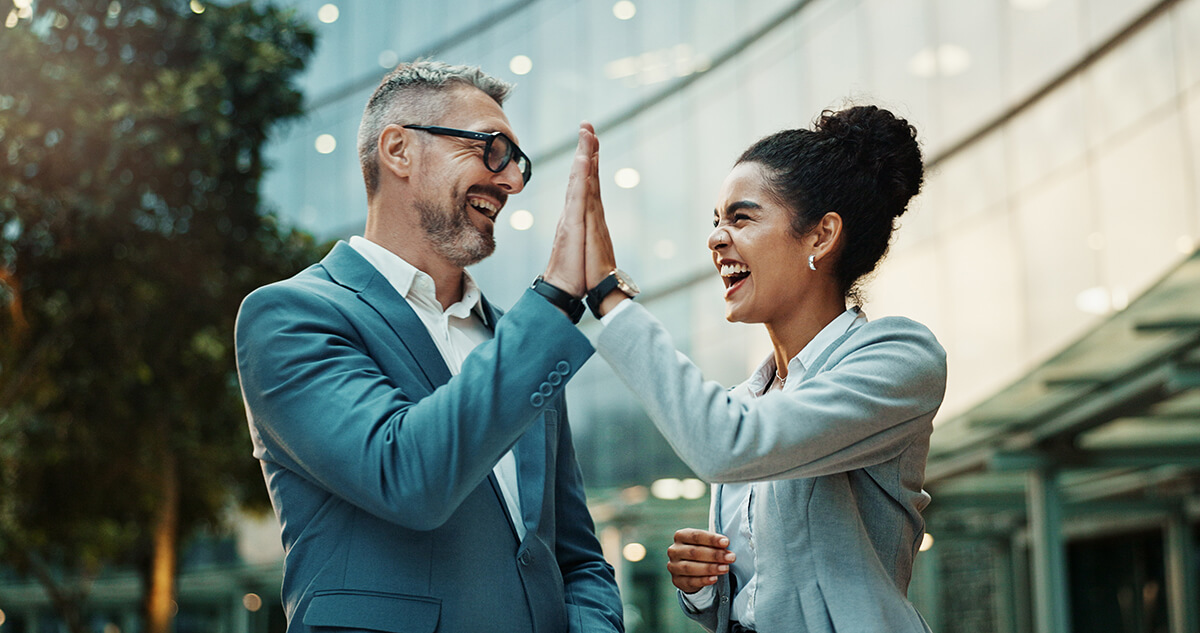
x,y
415,93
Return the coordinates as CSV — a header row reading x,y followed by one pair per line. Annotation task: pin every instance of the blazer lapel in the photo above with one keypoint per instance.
x,y
413,335
348,268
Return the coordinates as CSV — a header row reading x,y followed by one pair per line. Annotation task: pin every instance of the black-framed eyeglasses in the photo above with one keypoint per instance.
x,y
498,152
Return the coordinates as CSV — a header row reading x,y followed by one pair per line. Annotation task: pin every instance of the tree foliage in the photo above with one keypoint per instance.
x,y
131,138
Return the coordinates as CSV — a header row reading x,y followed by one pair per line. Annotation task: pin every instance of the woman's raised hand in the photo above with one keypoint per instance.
x,y
600,258
697,557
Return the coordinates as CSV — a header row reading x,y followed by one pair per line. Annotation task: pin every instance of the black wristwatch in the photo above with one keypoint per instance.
x,y
560,298
616,279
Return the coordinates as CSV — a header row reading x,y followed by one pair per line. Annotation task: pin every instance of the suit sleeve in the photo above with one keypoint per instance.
x,y
707,617
870,403
322,407
589,585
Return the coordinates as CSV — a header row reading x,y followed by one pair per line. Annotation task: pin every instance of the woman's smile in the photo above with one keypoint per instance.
x,y
734,275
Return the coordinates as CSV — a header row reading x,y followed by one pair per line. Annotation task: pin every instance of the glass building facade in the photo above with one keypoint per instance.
x,y
1062,142
1061,138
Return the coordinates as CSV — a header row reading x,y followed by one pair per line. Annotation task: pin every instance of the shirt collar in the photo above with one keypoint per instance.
x,y
844,322
415,285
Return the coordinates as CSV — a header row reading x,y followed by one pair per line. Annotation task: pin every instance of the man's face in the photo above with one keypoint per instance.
x,y
457,197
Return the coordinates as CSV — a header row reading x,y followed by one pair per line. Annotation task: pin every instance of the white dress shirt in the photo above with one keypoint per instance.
x,y
456,331
736,512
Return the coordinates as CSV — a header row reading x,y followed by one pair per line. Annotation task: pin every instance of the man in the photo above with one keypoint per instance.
x,y
414,443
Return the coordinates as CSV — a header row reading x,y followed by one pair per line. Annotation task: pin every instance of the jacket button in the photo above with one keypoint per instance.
x,y
537,400
563,367
525,558
554,378
546,389
724,599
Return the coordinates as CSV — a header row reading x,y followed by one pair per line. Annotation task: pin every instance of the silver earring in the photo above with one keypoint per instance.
x,y
812,262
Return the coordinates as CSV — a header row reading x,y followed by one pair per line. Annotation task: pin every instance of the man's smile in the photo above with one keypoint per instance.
x,y
488,208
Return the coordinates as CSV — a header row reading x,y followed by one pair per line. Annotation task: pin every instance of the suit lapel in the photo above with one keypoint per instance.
x,y
345,266
500,499
413,335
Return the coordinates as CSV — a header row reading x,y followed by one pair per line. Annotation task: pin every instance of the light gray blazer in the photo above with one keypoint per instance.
x,y
842,454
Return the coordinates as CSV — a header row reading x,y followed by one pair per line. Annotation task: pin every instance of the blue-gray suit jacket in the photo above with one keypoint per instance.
x,y
379,463
838,461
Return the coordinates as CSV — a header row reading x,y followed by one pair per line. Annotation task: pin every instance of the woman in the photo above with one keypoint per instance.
x,y
818,459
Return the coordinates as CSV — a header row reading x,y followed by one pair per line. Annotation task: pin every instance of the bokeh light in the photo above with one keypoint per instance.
x,y
521,220
624,10
627,178
328,13
520,65
252,602
692,488
668,488
326,144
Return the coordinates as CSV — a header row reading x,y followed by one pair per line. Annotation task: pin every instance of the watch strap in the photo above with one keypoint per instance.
x,y
559,298
597,294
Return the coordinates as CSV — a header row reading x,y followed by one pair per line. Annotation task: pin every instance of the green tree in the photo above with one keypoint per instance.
x,y
130,229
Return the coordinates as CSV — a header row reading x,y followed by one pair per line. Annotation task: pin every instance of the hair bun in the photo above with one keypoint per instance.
x,y
881,142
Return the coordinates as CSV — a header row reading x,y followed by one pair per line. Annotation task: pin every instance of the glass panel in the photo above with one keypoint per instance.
x,y
774,87
1129,82
669,227
898,37
548,103
1062,283
967,99
972,181
832,40
1048,136
625,209
1141,194
910,285
327,188
1186,17
1044,38
986,317
1106,18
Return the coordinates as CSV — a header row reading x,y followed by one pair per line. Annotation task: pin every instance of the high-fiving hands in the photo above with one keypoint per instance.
x,y
582,255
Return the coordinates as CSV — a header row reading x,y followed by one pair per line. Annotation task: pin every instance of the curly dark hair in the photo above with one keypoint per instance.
x,y
862,163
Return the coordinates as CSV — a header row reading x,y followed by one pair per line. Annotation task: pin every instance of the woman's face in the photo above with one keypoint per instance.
x,y
761,261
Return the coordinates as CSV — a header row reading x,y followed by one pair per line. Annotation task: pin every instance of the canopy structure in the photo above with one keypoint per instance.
x,y
1105,434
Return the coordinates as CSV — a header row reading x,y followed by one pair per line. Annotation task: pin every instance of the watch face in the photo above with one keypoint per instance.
x,y
625,283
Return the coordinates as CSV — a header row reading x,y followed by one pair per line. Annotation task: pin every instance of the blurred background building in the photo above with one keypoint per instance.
x,y
1052,251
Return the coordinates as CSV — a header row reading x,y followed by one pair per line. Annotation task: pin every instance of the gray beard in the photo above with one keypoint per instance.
x,y
453,236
